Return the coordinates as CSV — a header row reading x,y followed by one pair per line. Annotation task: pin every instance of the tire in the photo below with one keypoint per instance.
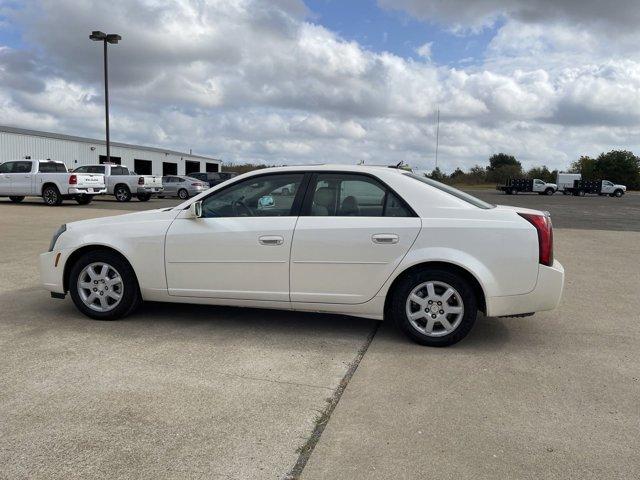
x,y
514,191
160,196
144,197
549,191
128,289
442,280
51,196
582,193
618,193
183,194
15,199
83,199
122,193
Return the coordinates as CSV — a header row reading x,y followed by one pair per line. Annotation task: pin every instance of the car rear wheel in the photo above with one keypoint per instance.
x,y
434,307
183,194
51,196
103,286
122,193
514,191
16,199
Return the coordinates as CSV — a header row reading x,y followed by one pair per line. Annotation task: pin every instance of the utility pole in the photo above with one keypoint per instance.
x,y
437,133
98,36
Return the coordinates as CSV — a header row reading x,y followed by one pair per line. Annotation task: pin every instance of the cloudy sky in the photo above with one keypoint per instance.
x,y
292,81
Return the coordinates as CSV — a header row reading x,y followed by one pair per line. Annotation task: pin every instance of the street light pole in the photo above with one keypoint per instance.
x,y
113,38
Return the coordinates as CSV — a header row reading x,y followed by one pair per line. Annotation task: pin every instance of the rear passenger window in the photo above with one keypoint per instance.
x,y
345,195
48,167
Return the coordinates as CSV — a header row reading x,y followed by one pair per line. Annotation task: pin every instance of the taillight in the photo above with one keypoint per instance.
x,y
543,226
73,180
141,181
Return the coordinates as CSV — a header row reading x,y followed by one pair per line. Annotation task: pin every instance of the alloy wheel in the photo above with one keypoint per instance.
x,y
100,287
434,308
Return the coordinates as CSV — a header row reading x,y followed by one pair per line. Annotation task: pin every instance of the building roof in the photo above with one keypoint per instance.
x,y
73,138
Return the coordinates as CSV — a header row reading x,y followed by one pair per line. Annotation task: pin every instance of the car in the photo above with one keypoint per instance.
x,y
213,178
123,183
50,180
181,186
365,241
513,186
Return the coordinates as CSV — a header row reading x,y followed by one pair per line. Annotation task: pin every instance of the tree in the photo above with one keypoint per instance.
x,y
542,173
438,175
619,166
503,166
585,166
499,160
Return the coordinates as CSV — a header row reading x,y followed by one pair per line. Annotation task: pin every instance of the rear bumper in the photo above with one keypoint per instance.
x,y
150,190
87,190
545,296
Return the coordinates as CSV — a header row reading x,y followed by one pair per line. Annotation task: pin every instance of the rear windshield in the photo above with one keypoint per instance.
x,y
452,191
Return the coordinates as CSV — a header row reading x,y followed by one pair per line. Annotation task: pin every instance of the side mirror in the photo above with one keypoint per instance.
x,y
195,209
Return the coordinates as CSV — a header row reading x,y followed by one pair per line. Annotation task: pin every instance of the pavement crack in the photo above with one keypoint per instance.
x,y
305,451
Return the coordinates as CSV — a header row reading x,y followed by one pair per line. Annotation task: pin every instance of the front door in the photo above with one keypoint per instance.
x,y
240,248
351,236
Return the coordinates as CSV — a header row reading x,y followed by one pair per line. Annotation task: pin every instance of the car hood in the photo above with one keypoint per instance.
x,y
127,218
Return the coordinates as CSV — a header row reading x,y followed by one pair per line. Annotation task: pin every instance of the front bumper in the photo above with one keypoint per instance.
x,y
87,190
51,267
545,296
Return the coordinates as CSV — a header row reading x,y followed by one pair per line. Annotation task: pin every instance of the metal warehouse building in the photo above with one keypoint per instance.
x,y
17,143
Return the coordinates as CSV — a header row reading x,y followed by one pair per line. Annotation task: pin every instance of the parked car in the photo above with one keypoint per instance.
x,y
49,180
595,187
213,178
513,186
123,183
181,186
426,256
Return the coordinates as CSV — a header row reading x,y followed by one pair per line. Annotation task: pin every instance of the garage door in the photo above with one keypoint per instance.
x,y
191,167
169,168
143,167
213,167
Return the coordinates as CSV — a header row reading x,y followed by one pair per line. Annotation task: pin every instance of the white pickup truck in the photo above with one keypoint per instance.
x,y
123,184
49,180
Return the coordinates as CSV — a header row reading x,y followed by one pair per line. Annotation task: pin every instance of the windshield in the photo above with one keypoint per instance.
x,y
452,191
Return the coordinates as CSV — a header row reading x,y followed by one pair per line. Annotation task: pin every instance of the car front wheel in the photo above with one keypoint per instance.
x,y
103,286
183,194
434,307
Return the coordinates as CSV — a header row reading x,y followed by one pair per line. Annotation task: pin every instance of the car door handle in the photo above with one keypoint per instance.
x,y
385,238
271,240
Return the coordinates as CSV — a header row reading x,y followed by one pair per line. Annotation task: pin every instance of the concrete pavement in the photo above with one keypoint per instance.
x,y
553,396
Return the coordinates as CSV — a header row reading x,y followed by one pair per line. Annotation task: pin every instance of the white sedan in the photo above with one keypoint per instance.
x,y
373,242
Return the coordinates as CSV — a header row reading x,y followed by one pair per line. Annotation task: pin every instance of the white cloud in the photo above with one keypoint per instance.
x,y
424,50
255,80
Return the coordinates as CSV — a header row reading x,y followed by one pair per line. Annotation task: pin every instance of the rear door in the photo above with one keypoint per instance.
x,y
22,178
352,234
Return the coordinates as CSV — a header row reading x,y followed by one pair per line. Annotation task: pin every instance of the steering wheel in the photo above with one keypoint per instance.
x,y
243,206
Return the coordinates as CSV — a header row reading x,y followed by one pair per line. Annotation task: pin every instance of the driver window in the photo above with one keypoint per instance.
x,y
264,196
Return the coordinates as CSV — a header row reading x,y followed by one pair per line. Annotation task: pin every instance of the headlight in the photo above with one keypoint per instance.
x,y
60,231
